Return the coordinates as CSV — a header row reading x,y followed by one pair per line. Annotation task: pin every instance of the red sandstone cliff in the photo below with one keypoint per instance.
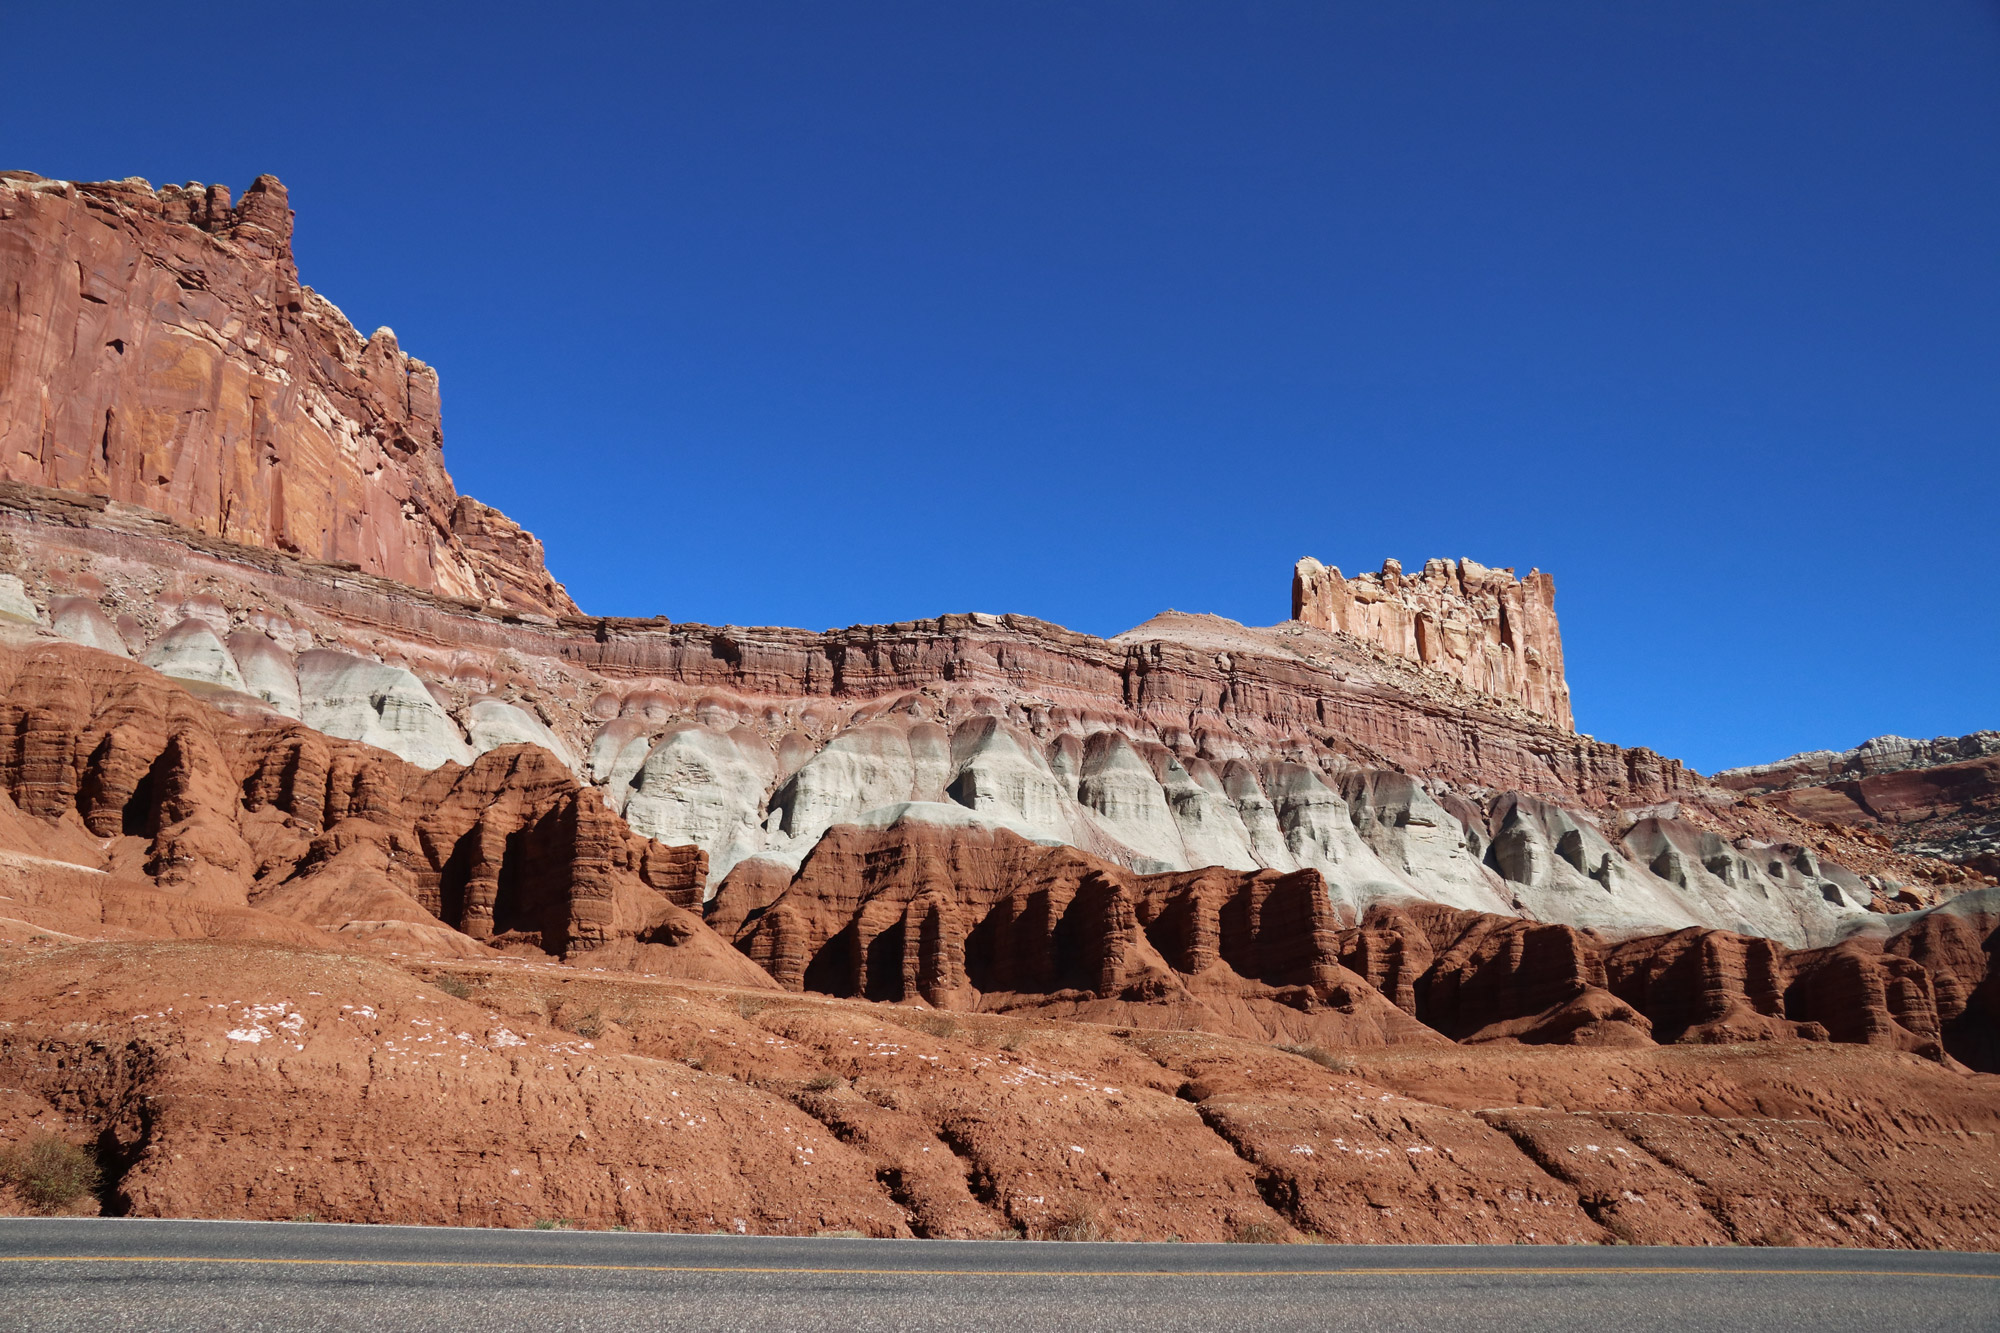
x,y
156,348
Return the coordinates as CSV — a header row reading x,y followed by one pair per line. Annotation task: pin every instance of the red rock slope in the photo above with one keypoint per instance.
x,y
263,1081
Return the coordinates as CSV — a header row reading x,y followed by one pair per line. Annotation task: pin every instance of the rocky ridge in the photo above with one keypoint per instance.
x,y
1188,742
1877,755
1938,799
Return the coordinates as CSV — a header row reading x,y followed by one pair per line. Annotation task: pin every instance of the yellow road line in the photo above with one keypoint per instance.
x,y
1625,1270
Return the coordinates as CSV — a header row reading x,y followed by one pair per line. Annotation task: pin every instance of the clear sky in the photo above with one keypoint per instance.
x,y
822,314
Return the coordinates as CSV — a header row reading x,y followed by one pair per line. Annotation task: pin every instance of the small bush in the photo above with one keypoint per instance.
x,y
931,1023
453,986
694,1062
1257,1232
1080,1225
825,1083
749,1006
48,1172
588,1023
553,1224
1320,1056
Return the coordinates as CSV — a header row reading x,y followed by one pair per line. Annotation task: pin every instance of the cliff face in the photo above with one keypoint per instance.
x,y
1481,627
1189,742
1414,743
156,348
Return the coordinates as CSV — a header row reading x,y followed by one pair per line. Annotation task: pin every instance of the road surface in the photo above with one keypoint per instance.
x,y
63,1274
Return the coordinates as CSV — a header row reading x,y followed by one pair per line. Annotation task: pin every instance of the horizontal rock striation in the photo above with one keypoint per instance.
x,y
976,918
198,822
1879,755
1482,627
265,816
1188,742
157,349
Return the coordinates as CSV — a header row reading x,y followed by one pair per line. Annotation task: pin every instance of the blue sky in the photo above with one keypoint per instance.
x,y
826,314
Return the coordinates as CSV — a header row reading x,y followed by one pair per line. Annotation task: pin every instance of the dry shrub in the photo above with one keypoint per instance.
x,y
929,1022
749,1006
48,1172
1320,1056
453,986
825,1083
1258,1232
585,1023
1078,1225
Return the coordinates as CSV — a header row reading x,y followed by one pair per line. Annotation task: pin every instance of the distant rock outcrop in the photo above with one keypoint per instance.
x,y
1878,755
1937,798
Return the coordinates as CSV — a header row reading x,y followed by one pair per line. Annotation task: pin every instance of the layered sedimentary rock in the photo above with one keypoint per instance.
x,y
157,349
1412,742
1403,740
1188,742
261,817
1938,798
1879,754
152,811
940,908
1484,628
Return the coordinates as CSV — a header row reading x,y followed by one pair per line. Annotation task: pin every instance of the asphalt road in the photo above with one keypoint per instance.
x,y
166,1276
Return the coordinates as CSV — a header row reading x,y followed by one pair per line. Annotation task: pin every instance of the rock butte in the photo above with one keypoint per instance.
x,y
954,927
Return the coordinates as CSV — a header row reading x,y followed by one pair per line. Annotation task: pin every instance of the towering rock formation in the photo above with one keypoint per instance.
x,y
157,349
1482,627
